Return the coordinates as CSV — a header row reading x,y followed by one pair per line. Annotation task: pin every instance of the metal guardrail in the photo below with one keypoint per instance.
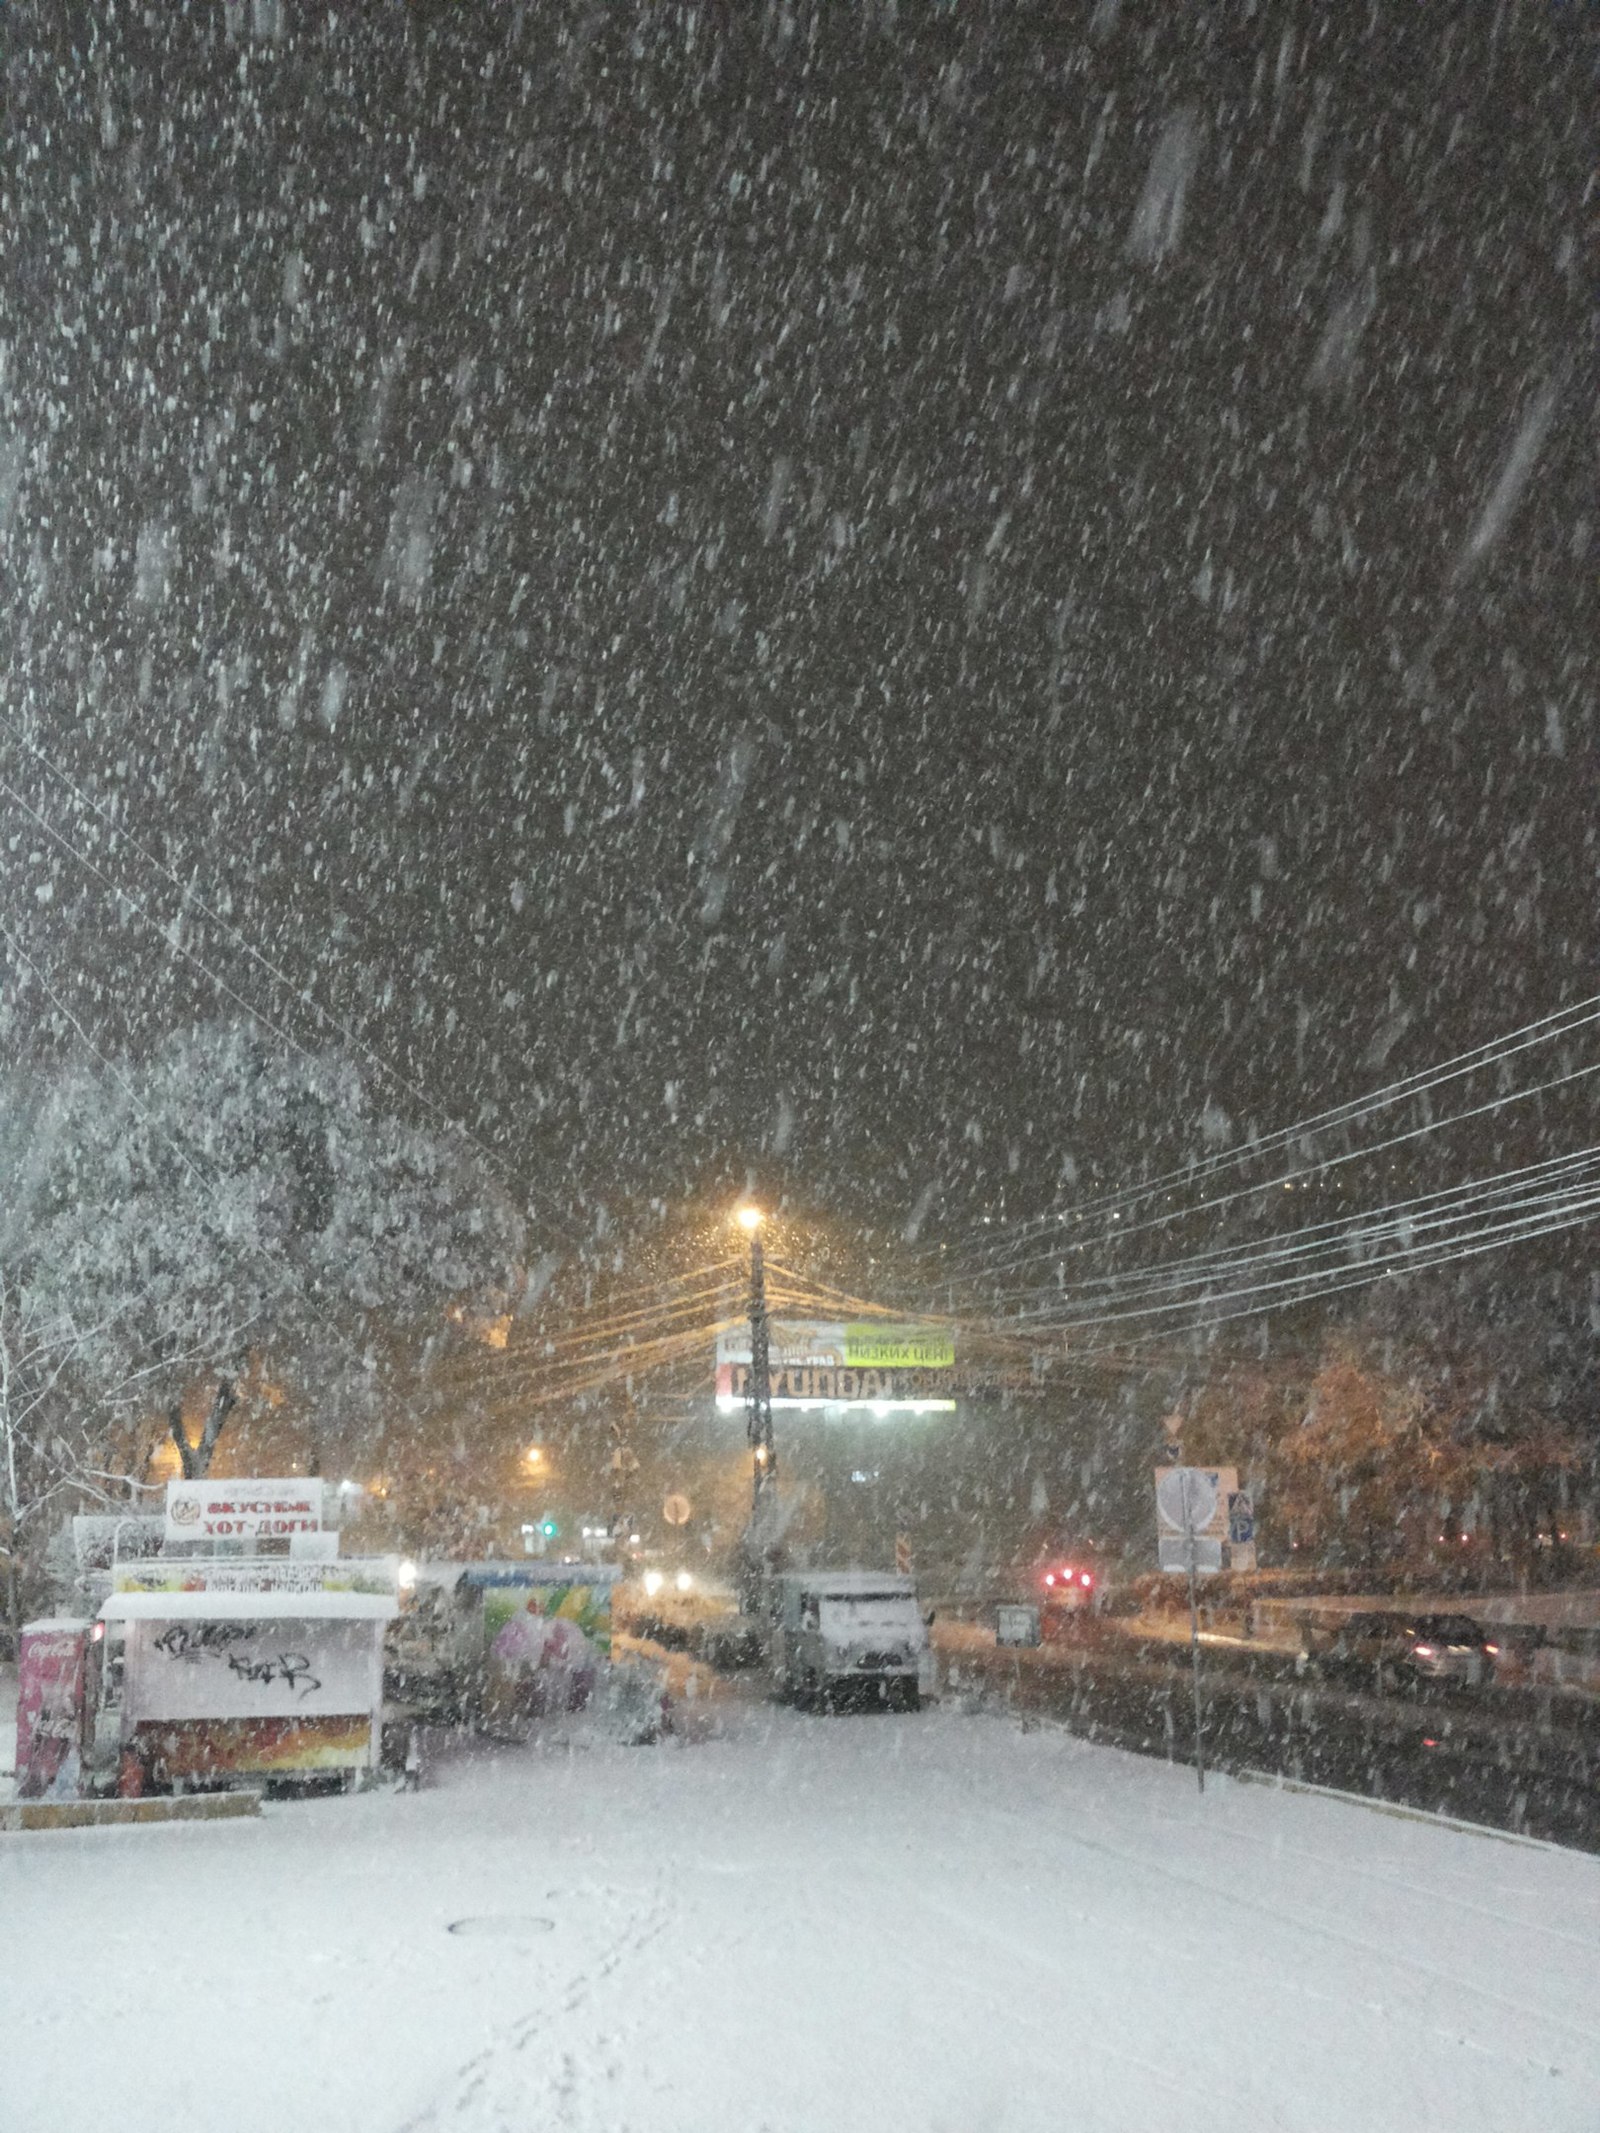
x,y
1523,1761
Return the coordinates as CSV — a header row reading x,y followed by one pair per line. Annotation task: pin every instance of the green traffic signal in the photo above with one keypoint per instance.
x,y
549,1528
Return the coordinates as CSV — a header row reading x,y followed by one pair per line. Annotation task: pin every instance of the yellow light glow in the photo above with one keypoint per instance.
x,y
749,1218
533,1456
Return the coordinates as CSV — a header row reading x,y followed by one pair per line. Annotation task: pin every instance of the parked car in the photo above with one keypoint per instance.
x,y
1399,1647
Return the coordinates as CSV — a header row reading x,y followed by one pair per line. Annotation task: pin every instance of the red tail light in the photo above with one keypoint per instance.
x,y
1049,1577
1085,1580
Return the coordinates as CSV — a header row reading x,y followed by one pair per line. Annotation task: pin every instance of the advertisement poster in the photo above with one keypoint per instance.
x,y
545,1639
204,1748
50,1685
347,1573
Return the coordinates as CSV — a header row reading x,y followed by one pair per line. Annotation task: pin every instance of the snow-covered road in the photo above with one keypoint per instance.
x,y
933,1922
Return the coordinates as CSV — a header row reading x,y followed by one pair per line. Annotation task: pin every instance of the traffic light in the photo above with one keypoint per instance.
x,y
549,1528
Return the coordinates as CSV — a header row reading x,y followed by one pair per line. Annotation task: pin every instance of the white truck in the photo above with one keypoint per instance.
x,y
838,1632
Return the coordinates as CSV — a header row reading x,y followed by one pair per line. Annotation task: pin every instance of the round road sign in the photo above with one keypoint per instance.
x,y
1202,1504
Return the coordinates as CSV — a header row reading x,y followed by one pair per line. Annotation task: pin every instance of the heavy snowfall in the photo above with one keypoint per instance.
x,y
799,1105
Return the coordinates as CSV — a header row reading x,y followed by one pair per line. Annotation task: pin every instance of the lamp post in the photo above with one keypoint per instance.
x,y
758,1386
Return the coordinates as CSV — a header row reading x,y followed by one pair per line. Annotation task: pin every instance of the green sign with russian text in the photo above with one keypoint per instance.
x,y
869,1346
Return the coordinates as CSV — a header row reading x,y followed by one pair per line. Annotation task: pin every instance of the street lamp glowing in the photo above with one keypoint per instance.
x,y
533,1456
750,1218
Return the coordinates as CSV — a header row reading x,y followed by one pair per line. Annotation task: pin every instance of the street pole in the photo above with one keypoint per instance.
x,y
758,1389
1194,1629
623,1465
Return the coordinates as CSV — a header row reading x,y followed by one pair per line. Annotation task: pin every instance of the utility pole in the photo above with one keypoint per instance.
x,y
624,1465
758,1386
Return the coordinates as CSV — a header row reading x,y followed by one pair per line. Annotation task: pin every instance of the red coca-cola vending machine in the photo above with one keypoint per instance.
x,y
52,1688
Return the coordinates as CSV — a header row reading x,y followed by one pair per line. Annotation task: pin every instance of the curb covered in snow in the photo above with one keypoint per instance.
x,y
98,1814
1397,1808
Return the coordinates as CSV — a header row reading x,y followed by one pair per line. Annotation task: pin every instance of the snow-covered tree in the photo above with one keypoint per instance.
x,y
229,1197
36,1347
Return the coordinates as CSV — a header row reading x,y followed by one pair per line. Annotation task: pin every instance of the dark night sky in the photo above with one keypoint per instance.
x,y
935,586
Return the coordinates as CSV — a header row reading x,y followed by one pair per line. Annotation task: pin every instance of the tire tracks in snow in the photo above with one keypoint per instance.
x,y
1314,1925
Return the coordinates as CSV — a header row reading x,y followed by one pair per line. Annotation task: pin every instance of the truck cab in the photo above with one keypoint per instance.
x,y
839,1633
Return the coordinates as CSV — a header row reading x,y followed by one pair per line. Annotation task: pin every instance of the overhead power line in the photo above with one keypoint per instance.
x,y
1334,1162
1366,1280
1547,1029
1348,1236
1563,1211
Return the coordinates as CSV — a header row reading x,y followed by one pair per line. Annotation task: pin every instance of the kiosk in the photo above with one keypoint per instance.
x,y
221,1671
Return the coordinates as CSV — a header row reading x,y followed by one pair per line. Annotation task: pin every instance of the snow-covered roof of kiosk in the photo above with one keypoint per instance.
x,y
249,1607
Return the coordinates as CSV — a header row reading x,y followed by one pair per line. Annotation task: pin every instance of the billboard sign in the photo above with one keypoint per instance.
x,y
873,1365
243,1510
868,1346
